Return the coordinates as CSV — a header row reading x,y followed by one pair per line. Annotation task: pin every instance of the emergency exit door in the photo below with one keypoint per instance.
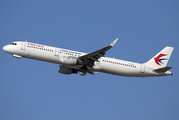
x,y
56,52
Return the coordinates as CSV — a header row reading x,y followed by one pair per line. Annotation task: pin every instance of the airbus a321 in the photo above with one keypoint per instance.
x,y
72,62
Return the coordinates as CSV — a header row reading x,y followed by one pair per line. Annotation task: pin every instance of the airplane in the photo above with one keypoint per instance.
x,y
72,62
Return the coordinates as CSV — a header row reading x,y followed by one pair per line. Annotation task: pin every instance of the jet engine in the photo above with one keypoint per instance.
x,y
72,61
83,71
66,70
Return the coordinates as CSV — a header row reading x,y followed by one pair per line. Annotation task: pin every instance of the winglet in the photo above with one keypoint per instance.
x,y
114,42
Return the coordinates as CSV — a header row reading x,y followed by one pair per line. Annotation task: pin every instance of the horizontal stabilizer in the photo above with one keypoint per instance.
x,y
164,69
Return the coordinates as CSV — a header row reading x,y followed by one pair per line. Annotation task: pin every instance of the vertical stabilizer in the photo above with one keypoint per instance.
x,y
161,59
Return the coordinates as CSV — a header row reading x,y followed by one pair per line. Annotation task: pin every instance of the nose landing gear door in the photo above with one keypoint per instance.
x,y
23,46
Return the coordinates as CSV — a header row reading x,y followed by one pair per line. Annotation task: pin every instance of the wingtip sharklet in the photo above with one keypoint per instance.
x,y
114,42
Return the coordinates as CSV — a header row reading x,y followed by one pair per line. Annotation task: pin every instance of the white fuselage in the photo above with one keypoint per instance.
x,y
104,64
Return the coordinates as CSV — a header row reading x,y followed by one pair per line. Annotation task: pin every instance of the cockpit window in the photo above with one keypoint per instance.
x,y
13,43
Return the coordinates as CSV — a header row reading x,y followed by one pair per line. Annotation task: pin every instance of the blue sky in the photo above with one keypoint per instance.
x,y
31,89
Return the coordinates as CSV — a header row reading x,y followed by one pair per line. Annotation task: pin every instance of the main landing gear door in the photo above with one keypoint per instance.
x,y
23,46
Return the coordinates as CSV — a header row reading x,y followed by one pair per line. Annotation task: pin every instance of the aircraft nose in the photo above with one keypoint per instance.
x,y
5,48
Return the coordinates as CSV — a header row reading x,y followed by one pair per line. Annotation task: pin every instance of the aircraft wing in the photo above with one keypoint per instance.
x,y
89,59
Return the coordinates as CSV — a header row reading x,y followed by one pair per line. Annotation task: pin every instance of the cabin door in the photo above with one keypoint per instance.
x,y
23,46
142,69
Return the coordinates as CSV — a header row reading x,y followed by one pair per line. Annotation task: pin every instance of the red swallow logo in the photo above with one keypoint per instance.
x,y
158,60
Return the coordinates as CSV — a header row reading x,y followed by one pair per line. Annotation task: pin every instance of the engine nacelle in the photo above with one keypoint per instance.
x,y
66,70
83,72
68,60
